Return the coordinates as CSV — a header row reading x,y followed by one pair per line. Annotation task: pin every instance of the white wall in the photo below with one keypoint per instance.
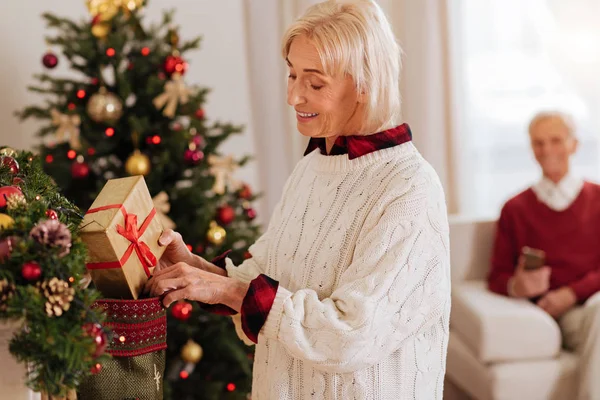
x,y
220,64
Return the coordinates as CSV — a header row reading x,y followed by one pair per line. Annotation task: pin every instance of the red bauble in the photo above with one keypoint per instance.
x,y
97,334
251,213
182,310
175,64
193,157
6,192
50,60
51,214
6,246
80,170
96,368
197,141
245,192
31,271
226,214
11,163
199,113
199,248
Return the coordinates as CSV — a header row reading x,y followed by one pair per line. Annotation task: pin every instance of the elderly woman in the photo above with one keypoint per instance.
x,y
347,294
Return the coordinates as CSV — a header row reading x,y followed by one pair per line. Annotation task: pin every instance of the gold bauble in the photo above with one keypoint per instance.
x,y
6,221
105,9
138,164
216,234
191,352
101,30
8,151
105,106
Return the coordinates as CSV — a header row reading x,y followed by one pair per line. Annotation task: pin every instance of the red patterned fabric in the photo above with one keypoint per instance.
x,y
358,146
139,326
257,305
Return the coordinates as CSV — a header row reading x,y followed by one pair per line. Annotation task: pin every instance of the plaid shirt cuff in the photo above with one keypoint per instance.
x,y
219,309
257,305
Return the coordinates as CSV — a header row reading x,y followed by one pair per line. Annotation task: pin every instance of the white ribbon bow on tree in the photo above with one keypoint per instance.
x,y
222,168
175,92
161,203
66,125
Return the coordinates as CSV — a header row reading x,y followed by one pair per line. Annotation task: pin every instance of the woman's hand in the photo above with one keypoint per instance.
x,y
178,252
182,281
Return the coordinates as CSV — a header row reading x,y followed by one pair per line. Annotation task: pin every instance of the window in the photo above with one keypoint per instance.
x,y
513,58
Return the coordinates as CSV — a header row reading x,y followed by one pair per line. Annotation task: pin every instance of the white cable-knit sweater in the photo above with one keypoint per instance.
x,y
360,250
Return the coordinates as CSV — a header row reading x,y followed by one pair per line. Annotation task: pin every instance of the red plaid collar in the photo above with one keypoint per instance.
x,y
358,146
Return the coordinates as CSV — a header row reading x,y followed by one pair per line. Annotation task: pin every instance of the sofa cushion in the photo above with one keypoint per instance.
x,y
497,328
546,379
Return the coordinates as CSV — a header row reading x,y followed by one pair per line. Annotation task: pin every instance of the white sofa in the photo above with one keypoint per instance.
x,y
499,348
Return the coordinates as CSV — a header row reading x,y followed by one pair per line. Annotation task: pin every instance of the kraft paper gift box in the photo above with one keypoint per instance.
x,y
121,231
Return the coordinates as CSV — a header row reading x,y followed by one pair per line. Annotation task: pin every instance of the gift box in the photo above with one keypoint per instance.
x,y
138,349
121,231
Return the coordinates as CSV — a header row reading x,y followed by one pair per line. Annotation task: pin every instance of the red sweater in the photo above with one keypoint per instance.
x,y
570,238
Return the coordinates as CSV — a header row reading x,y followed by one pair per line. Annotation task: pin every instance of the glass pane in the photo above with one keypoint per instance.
x,y
517,58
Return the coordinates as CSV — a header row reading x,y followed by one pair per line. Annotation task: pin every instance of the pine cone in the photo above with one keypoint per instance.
x,y
59,296
15,201
53,233
6,292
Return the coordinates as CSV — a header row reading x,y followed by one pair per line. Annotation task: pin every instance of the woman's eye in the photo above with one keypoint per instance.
x,y
315,87
290,76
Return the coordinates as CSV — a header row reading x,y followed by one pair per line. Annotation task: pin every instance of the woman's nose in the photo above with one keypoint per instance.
x,y
295,95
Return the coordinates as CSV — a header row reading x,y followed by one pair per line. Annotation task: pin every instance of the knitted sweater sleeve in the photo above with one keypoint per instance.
x,y
396,287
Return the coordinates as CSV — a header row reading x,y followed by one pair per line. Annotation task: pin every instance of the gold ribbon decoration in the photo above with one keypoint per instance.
x,y
66,125
175,93
222,168
161,203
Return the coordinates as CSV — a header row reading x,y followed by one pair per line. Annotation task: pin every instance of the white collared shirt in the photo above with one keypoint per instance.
x,y
558,196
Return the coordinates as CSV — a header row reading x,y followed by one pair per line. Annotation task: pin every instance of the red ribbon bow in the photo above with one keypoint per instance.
x,y
132,233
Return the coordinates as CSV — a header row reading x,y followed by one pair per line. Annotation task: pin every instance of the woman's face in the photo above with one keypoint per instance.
x,y
326,106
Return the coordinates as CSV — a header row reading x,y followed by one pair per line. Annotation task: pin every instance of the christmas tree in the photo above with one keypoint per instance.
x,y
127,110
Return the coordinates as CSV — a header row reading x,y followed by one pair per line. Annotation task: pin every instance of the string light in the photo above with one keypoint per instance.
x,y
71,154
109,131
110,52
49,158
145,51
230,387
81,93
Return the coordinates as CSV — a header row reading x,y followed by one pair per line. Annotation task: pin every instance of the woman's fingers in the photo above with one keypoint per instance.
x,y
174,271
167,237
200,291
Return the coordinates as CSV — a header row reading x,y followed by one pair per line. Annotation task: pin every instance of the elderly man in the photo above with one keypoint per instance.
x,y
559,215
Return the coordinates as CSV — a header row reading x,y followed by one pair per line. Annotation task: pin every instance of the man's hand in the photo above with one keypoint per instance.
x,y
529,284
559,301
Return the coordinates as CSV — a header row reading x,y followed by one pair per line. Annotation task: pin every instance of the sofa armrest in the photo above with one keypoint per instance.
x,y
498,328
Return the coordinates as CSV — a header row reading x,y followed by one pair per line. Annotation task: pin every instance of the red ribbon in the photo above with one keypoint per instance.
x,y
132,233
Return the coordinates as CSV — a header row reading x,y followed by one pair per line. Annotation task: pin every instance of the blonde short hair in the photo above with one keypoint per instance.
x,y
562,117
353,37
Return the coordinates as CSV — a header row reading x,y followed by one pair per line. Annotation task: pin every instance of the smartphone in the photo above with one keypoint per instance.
x,y
534,258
